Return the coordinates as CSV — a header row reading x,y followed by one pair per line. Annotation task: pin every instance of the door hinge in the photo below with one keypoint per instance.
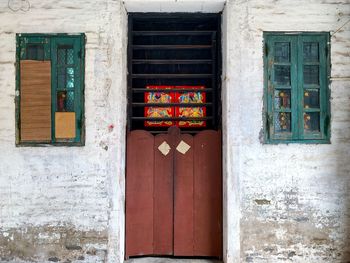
x,y
269,125
326,125
266,49
79,122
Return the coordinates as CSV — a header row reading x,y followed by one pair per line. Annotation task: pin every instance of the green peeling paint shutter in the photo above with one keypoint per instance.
x,y
296,98
67,79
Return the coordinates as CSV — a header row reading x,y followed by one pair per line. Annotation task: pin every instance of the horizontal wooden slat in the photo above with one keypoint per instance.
x,y
172,61
27,124
142,90
159,47
33,108
170,76
32,133
168,33
35,100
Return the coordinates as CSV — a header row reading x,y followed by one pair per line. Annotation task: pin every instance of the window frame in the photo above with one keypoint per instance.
x,y
54,39
297,134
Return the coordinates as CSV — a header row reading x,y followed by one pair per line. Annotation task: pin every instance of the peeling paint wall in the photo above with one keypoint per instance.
x,y
282,203
294,199
57,203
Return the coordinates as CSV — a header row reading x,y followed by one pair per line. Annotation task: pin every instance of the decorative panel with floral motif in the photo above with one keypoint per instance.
x,y
162,94
190,112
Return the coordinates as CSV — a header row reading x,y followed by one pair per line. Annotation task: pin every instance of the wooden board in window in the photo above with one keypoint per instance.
x,y
35,101
65,125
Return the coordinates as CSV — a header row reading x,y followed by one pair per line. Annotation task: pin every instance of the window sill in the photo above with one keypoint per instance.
x,y
58,144
310,141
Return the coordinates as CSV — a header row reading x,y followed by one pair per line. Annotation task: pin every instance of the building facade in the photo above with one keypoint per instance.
x,y
286,202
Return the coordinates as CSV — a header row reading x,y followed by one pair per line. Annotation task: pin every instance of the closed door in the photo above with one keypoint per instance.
x,y
174,194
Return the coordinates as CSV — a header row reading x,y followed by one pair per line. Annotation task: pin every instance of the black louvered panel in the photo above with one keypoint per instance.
x,y
174,50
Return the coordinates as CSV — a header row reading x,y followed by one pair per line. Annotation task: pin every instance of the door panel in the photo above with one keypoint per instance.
x,y
183,199
163,197
139,193
207,194
174,198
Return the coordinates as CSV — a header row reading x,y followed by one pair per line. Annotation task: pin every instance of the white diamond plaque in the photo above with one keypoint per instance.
x,y
164,148
183,147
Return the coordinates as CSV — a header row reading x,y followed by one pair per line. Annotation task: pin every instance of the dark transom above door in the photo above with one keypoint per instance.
x,y
178,56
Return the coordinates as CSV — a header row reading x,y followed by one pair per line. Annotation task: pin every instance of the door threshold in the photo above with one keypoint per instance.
x,y
169,260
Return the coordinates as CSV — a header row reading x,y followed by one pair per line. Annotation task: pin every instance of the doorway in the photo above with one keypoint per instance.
x,y
174,174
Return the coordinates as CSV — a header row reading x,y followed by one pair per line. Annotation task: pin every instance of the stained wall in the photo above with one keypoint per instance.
x,y
60,204
282,203
293,200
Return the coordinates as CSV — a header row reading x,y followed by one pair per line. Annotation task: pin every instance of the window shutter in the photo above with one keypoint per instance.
x,y
35,101
296,88
280,86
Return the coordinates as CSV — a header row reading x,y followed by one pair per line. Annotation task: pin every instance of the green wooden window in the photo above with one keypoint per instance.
x,y
296,99
62,58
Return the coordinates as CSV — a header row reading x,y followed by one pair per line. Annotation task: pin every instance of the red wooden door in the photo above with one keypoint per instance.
x,y
174,194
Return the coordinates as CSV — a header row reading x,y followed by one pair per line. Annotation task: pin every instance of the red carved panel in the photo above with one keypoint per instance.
x,y
164,94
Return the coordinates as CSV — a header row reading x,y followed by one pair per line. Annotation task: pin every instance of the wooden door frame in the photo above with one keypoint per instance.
x,y
218,82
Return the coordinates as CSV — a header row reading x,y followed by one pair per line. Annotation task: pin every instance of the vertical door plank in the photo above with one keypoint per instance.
x,y
139,193
207,194
163,197
183,199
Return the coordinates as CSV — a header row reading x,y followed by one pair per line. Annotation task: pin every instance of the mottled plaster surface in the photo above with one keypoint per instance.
x,y
294,199
282,203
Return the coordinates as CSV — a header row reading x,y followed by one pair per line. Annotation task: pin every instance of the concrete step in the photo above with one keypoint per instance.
x,y
169,260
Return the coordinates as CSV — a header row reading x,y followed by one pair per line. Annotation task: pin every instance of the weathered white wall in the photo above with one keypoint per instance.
x,y
62,202
282,202
294,199
181,6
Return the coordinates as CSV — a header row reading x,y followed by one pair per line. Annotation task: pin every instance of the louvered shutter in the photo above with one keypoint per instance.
x,y
35,102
